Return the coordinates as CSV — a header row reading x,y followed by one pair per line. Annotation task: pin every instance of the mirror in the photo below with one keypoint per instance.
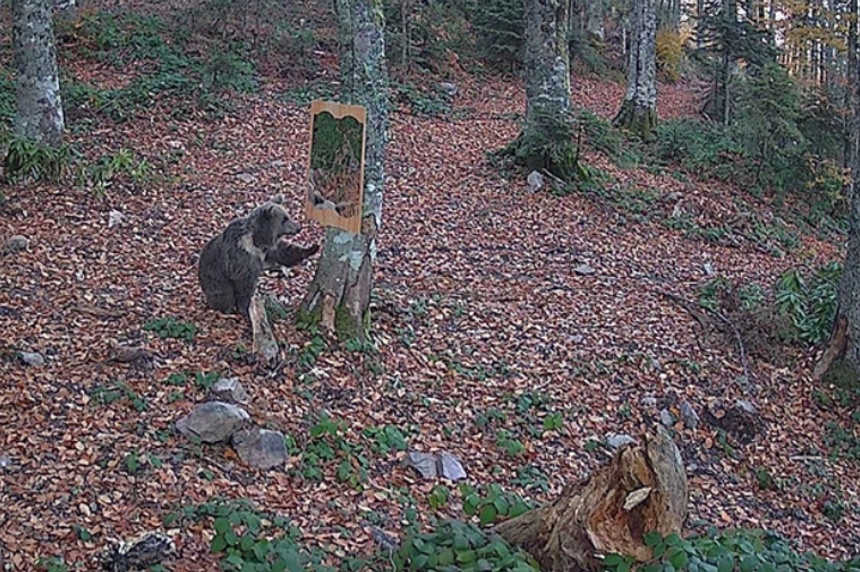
x,y
336,165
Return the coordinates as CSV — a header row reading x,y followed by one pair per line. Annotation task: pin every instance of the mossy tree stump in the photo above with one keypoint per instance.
x,y
642,489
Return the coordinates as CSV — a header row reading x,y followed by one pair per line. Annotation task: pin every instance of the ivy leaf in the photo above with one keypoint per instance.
x,y
612,560
489,513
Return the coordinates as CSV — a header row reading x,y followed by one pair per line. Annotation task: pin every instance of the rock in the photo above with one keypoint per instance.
x,y
261,448
678,211
230,390
212,422
536,181
649,402
5,462
666,418
424,463
247,178
618,440
130,354
278,163
17,244
584,269
673,197
140,553
115,218
689,416
709,269
449,87
452,468
32,359
740,418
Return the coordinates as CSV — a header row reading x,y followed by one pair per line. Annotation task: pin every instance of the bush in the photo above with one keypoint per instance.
x,y
698,146
728,551
25,158
499,27
810,302
670,53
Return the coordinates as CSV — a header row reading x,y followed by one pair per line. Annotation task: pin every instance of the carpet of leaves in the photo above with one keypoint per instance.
x,y
477,307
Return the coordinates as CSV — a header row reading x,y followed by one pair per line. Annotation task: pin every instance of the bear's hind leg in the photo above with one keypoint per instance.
x,y
223,299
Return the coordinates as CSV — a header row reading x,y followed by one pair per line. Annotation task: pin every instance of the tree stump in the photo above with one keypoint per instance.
x,y
642,489
264,339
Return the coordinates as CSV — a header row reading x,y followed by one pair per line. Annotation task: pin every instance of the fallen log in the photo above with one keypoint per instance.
x,y
642,489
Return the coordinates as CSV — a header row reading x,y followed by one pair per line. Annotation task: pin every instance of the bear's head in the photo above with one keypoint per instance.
x,y
270,222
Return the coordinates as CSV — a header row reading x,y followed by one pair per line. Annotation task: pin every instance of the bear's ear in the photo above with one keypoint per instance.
x,y
278,199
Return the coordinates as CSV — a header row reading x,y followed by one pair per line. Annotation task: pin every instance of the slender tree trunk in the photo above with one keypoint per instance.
x,y
642,489
546,141
700,23
639,111
39,114
339,296
594,19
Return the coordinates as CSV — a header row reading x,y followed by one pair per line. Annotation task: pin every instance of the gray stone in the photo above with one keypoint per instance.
x,y
452,468
649,402
5,462
584,270
17,243
618,440
536,181
230,390
261,448
746,406
115,218
666,418
450,87
33,359
212,422
247,178
673,197
423,463
689,416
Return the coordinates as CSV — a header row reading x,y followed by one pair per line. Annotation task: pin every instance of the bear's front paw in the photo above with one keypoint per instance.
x,y
311,250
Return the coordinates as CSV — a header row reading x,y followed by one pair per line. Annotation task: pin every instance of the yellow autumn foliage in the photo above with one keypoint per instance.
x,y
670,52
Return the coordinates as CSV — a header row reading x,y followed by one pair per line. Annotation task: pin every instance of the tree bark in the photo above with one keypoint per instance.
x,y
639,111
39,115
594,19
840,361
547,59
339,296
642,489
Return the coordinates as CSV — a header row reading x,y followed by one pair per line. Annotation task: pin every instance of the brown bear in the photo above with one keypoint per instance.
x,y
231,263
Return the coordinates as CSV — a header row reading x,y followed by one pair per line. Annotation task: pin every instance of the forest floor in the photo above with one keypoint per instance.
x,y
484,322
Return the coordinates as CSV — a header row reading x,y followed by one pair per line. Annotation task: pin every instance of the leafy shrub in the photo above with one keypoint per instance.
x,y
385,439
810,302
670,52
172,328
499,27
492,503
603,136
698,146
733,550
455,545
432,102
26,158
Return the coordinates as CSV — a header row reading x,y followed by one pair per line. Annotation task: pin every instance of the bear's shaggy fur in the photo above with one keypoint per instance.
x,y
232,262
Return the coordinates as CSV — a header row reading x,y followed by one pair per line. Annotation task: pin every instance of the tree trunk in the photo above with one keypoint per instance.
x,y
39,114
840,362
547,61
638,113
594,19
546,141
642,489
700,23
339,296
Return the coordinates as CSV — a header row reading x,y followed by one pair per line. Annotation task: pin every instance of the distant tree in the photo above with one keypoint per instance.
x,y
546,141
639,111
39,115
339,296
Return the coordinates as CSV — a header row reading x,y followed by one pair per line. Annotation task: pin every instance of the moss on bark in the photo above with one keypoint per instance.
x,y
640,121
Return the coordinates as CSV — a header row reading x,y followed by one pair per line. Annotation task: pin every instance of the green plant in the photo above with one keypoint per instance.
x,y
512,446
385,439
531,477
727,551
172,328
106,395
810,302
52,564
25,158
206,380
491,503
311,351
439,496
455,545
